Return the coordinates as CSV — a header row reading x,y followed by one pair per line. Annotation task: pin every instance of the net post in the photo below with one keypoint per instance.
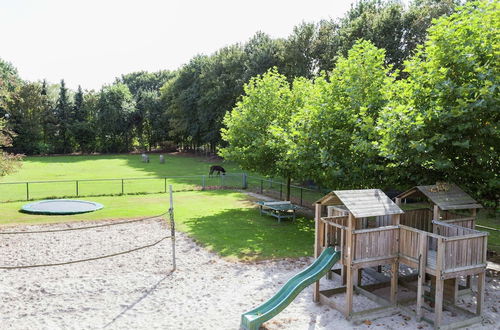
x,y
172,227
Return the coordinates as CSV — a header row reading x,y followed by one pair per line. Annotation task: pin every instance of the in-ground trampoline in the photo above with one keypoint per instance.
x,y
61,206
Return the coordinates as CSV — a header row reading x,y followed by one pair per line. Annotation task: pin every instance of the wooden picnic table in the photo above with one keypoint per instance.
x,y
278,209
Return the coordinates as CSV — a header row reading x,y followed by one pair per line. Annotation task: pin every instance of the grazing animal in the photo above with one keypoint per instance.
x,y
218,169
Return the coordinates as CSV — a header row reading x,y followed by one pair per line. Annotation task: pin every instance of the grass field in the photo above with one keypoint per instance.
x,y
184,173
110,166
223,221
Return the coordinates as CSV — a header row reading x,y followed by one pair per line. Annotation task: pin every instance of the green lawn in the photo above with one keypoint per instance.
x,y
491,219
223,221
110,166
184,172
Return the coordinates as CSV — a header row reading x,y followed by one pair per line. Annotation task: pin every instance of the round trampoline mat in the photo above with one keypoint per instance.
x,y
61,206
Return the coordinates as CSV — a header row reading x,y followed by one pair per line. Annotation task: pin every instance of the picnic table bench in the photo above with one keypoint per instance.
x,y
278,209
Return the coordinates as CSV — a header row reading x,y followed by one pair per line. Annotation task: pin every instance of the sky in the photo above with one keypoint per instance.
x,y
90,42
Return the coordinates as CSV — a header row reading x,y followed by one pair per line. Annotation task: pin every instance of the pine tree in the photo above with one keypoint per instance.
x,y
64,118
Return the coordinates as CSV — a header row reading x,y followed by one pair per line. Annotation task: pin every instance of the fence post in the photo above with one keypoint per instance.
x,y
76,188
281,190
202,182
301,190
27,191
261,185
122,186
245,185
165,184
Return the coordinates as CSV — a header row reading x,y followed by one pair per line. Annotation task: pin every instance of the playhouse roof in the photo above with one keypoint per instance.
x,y
446,196
362,203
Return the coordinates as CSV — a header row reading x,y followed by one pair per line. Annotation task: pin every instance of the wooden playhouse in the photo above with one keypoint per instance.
x,y
371,231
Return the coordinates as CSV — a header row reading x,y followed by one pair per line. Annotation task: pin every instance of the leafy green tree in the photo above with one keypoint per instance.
x,y
387,24
325,45
151,126
114,119
145,81
9,82
8,162
256,128
261,54
335,131
25,113
181,99
298,53
221,83
443,121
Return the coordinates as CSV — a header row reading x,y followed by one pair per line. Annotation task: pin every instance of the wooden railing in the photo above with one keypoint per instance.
x,y
376,243
462,247
418,219
335,230
409,241
463,222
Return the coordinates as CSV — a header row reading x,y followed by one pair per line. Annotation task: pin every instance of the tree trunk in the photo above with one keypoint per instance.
x,y
288,184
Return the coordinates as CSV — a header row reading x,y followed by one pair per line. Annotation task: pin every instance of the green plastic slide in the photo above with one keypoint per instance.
x,y
253,319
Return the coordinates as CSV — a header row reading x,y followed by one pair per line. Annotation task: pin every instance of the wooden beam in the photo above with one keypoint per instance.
x,y
324,300
373,297
372,230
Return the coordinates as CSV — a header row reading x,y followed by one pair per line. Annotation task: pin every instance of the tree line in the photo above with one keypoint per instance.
x,y
144,110
380,97
366,124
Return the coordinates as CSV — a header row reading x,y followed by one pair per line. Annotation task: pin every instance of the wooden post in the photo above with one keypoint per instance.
x,y
474,215
422,263
480,294
438,302
359,277
398,201
317,245
468,281
245,185
395,265
349,272
480,281
436,215
394,282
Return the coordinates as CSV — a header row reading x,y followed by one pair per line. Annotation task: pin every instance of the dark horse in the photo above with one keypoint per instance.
x,y
218,169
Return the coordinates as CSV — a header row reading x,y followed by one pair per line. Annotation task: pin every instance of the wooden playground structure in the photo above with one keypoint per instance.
x,y
439,245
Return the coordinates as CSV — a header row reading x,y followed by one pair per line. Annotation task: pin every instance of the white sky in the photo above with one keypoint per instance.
x,y
90,42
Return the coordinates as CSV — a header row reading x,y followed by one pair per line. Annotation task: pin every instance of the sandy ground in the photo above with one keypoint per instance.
x,y
138,291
